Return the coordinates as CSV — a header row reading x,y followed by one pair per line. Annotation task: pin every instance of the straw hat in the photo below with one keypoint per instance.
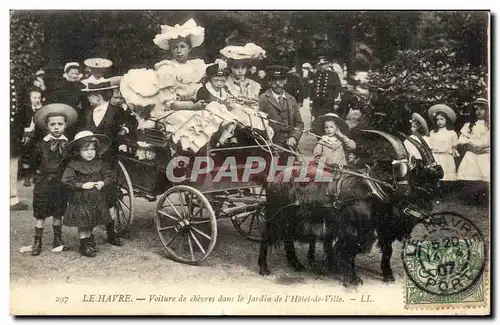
x,y
478,101
105,85
445,109
318,124
104,141
55,108
98,63
418,118
248,52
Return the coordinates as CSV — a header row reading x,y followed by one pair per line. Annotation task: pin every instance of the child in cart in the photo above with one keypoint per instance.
x,y
331,147
49,197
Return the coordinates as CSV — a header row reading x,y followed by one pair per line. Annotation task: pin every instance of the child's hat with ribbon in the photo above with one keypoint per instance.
x,y
478,101
190,30
318,124
103,140
214,70
442,108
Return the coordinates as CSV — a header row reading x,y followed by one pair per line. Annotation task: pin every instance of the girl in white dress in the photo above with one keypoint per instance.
x,y
475,138
443,141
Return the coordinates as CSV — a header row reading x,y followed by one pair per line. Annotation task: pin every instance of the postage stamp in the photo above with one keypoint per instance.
x,y
445,263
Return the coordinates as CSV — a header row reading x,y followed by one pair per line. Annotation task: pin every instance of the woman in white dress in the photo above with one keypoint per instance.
x,y
475,138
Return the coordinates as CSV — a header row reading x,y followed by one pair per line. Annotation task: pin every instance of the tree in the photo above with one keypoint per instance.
x,y
418,79
26,44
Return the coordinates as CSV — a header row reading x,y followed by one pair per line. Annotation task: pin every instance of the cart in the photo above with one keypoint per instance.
x,y
187,212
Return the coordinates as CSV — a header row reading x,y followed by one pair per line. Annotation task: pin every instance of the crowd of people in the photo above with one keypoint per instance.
x,y
67,136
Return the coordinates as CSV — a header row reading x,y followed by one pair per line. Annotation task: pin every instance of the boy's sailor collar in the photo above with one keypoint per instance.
x,y
218,94
49,137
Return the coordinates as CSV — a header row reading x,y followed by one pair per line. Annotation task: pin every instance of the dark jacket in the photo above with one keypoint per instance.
x,y
68,93
290,115
325,89
114,118
295,87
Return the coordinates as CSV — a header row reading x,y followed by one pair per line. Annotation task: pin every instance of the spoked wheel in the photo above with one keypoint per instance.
x,y
124,210
186,224
251,223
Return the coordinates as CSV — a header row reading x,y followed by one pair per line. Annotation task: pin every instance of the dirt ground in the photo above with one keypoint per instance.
x,y
142,258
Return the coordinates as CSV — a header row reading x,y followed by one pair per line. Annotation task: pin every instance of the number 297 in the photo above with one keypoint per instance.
x,y
62,300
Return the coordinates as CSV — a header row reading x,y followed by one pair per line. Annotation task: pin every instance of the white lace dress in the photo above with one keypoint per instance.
x,y
442,144
475,166
173,81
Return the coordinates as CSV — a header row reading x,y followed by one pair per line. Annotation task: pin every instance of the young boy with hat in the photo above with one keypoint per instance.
x,y
49,196
214,88
281,107
334,141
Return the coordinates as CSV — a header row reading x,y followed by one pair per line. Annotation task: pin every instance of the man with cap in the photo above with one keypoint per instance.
x,y
281,107
98,68
325,89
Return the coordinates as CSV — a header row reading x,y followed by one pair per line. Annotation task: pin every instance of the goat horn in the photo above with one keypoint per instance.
x,y
427,157
426,147
395,143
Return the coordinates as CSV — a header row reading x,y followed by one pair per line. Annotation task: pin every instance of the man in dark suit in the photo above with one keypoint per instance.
x,y
111,120
281,107
325,89
104,117
294,86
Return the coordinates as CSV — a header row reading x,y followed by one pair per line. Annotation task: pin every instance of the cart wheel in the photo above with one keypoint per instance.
x,y
251,223
124,210
186,224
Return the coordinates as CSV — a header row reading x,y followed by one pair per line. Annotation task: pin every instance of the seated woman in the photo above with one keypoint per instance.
x,y
243,93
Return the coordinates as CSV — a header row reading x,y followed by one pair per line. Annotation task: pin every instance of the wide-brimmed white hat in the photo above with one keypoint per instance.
x,y
318,124
104,141
98,63
445,109
248,52
189,30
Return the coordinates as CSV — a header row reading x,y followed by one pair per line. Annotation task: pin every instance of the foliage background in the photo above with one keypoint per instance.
x,y
415,58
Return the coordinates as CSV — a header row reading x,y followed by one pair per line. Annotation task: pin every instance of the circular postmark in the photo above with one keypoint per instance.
x,y
446,256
